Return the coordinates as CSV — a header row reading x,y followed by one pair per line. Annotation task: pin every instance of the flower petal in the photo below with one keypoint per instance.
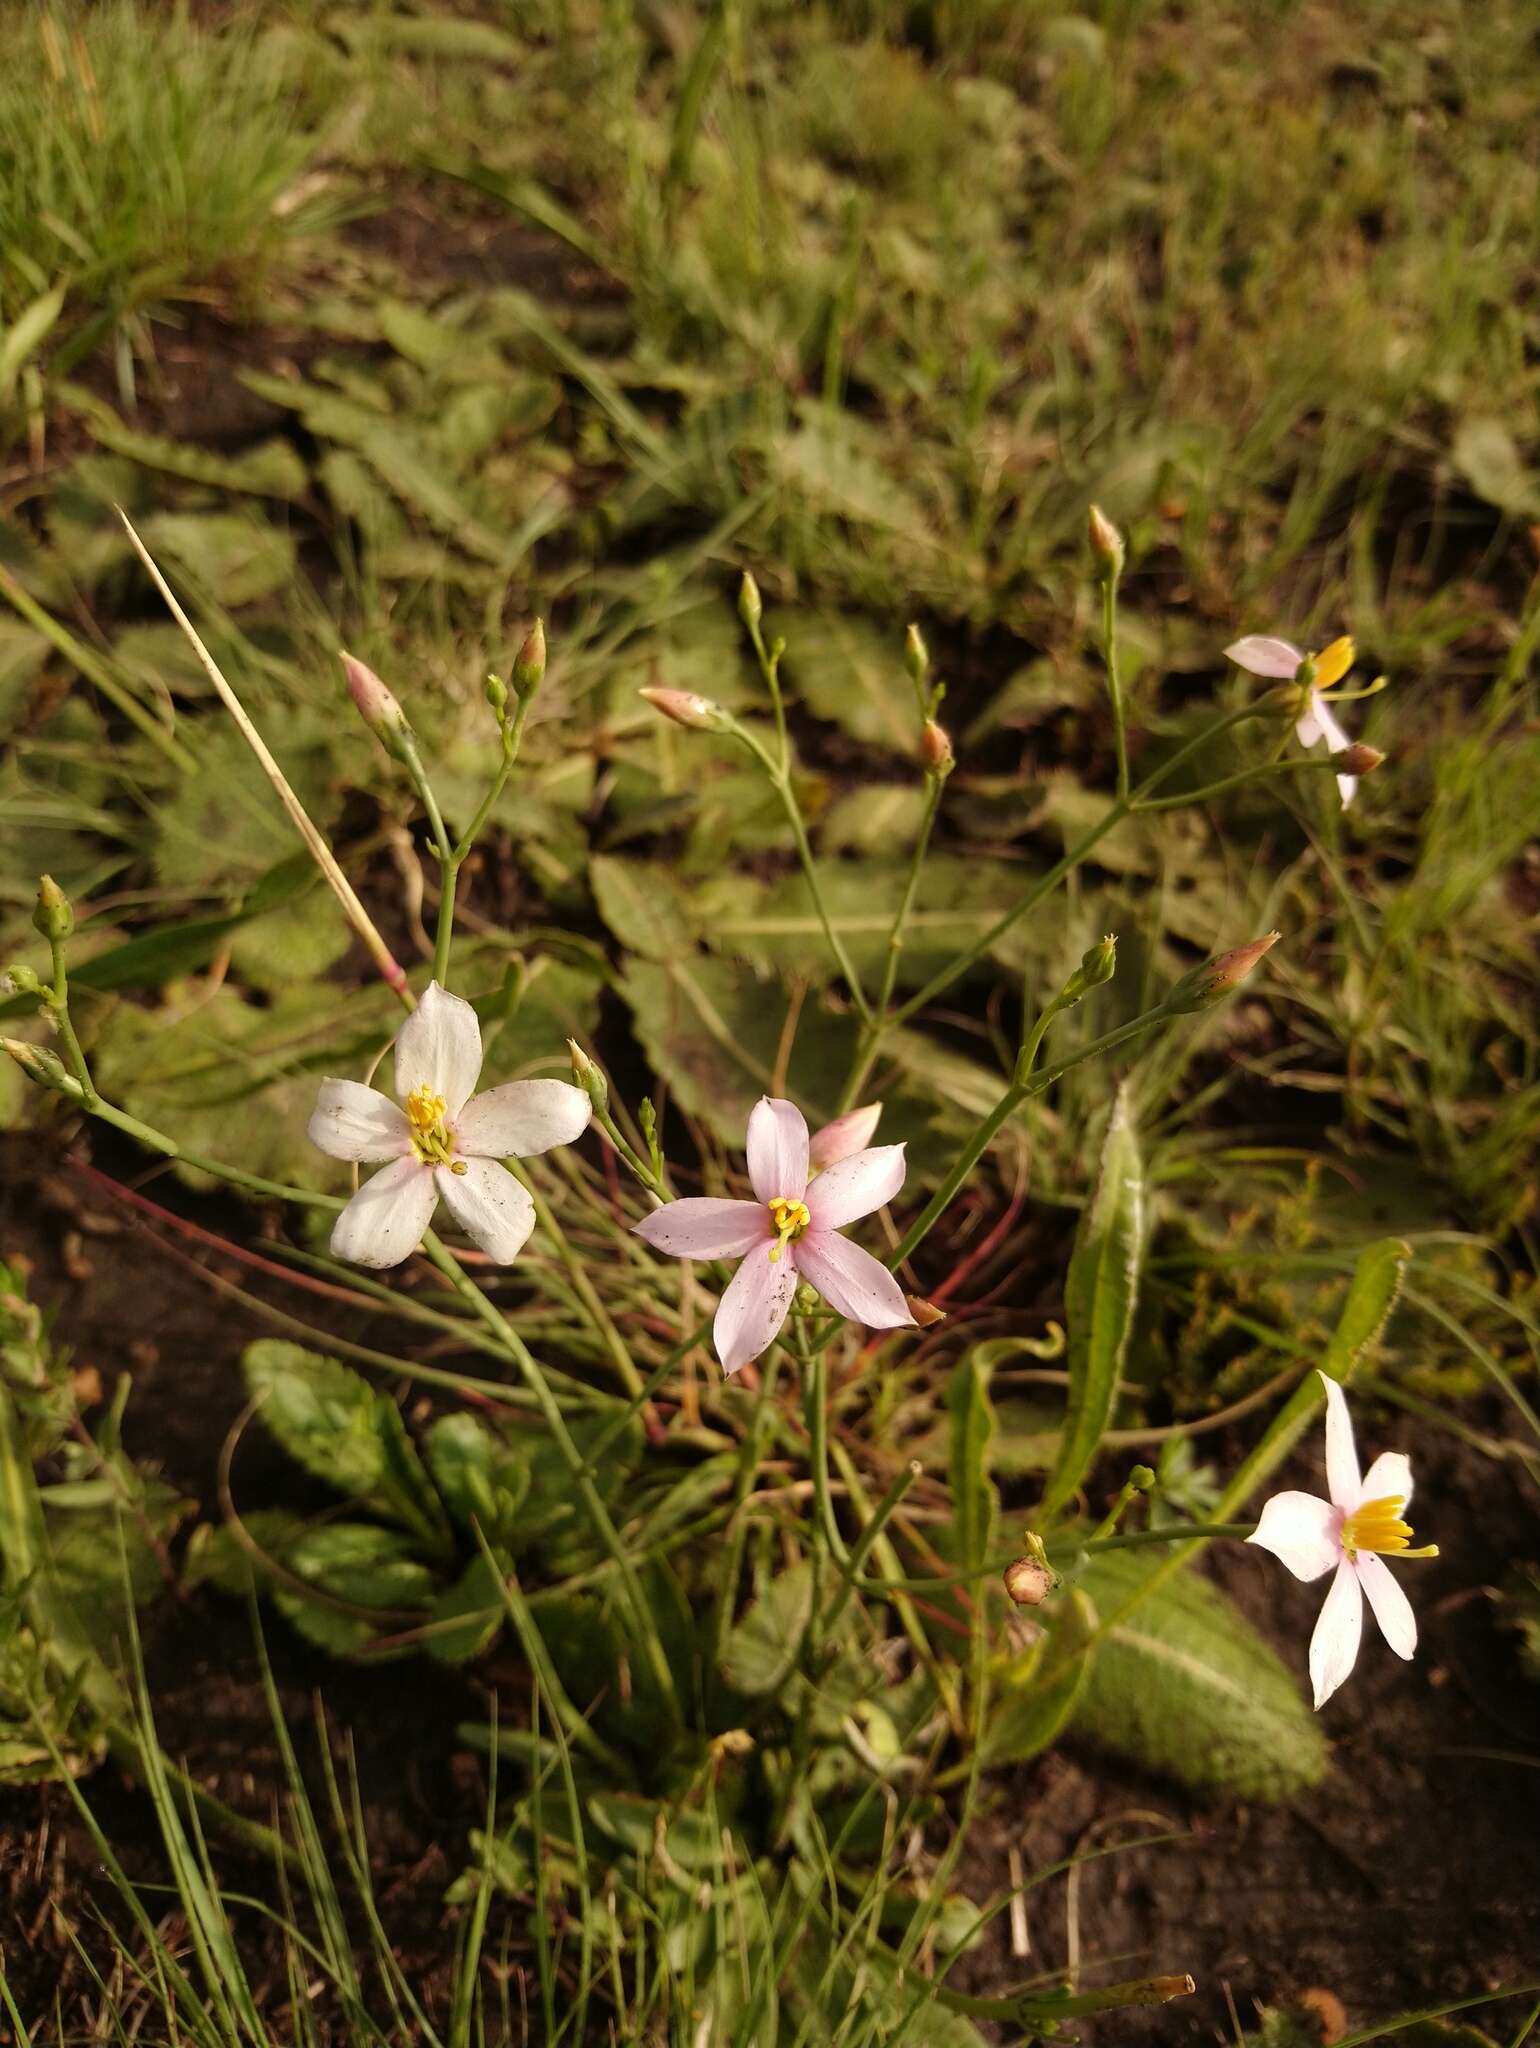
x,y
386,1218
705,1228
351,1121
850,1133
490,1206
1347,789
1306,1533
753,1308
439,1048
777,1149
1389,1478
1334,1646
522,1118
1342,1480
1334,661
852,1281
855,1187
1392,1609
1264,656
1307,727
1337,740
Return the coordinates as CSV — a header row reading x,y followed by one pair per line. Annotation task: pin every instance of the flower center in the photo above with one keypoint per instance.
x,y
425,1112
1377,1526
790,1218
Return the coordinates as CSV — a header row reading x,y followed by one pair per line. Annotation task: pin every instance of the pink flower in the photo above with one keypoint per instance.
x,y
443,1142
1262,655
1350,1534
790,1232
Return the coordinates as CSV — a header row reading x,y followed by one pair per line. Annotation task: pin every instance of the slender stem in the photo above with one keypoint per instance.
x,y
850,1568
814,1360
738,1522
59,1004
935,786
1114,679
1303,764
1131,1539
583,1288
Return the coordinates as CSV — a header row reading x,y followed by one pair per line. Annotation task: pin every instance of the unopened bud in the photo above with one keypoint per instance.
x,y
1141,1479
1106,543
1217,978
1098,964
52,915
936,749
916,654
589,1075
495,690
684,707
376,705
1029,1583
852,1132
926,1314
750,604
20,980
529,662
40,1065
1359,759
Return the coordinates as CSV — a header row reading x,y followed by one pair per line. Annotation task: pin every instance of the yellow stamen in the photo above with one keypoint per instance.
x,y
791,1219
1377,1526
1333,662
425,1112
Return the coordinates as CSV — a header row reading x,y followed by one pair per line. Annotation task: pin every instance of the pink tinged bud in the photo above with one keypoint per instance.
x,y
852,1132
1219,977
529,662
1359,759
1029,1583
377,707
936,749
684,707
1106,543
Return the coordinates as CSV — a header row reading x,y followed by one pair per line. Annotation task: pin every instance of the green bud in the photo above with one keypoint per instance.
x,y
529,662
40,1065
1141,1479
1106,544
1218,978
916,655
495,691
750,605
686,708
21,980
1098,964
589,1075
53,916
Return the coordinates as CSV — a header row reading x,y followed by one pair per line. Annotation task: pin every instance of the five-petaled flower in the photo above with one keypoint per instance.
x,y
789,1232
441,1141
1264,656
1352,1534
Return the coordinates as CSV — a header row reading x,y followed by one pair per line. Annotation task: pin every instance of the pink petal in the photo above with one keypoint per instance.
x,y
439,1048
1334,1646
777,1149
852,1281
350,1121
855,1187
522,1118
385,1220
703,1228
753,1307
1264,656
1389,1478
1306,1533
852,1132
1342,1480
1392,1609
490,1206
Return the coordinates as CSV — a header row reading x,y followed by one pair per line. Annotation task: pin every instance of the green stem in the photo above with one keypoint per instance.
x,y
937,784
1304,764
1114,679
749,1457
59,1004
872,1529
814,1360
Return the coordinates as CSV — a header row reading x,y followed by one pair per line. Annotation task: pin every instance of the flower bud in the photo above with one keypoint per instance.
x,y
925,1313
916,655
20,980
750,605
1219,977
1359,759
684,707
1098,964
40,1065
1106,543
936,749
529,662
495,690
589,1075
1141,1479
376,705
52,916
852,1132
1029,1583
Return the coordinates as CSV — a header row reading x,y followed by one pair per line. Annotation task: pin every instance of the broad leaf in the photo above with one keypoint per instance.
x,y
761,1651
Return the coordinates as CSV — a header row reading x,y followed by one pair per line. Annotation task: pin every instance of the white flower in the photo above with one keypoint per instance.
x,y
1351,1533
443,1141
1262,655
790,1232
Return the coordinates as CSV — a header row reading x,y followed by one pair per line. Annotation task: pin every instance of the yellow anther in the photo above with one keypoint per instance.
x,y
1333,662
1377,1526
425,1112
791,1218
425,1109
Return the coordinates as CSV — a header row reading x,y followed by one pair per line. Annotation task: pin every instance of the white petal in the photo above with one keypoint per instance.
x,y
439,1048
351,1121
1265,656
1334,1646
852,1281
490,1206
855,1187
522,1118
1336,739
753,1308
777,1149
1342,1480
1306,1533
385,1220
850,1133
1389,1478
1392,1609
1347,789
1307,727
702,1227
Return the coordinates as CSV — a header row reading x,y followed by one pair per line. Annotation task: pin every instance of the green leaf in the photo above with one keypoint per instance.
x,y
236,556
1487,456
475,1601
483,1482
850,673
1186,1686
643,905
761,1650
27,333
272,469
1101,1295
1035,1696
1372,1295
971,1424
